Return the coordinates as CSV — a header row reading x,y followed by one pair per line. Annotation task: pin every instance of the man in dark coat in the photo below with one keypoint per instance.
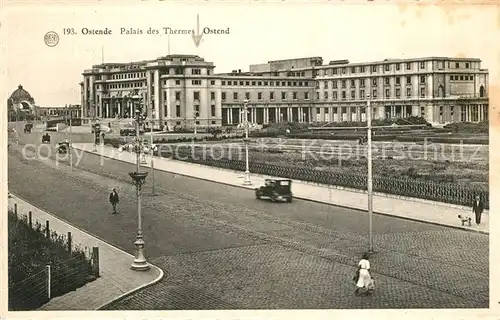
x,y
113,199
477,209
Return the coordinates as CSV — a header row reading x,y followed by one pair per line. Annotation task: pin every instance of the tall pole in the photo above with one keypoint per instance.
x,y
17,125
70,150
370,180
195,119
140,263
152,160
137,137
65,122
247,170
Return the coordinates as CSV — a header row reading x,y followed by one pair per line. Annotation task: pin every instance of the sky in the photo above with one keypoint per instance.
x,y
258,33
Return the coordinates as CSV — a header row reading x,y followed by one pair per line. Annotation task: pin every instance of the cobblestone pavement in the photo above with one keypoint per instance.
x,y
222,249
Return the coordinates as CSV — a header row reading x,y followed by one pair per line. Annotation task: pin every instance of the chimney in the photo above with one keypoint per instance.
x,y
239,70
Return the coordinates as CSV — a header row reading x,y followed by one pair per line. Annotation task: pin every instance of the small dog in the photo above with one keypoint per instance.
x,y
465,219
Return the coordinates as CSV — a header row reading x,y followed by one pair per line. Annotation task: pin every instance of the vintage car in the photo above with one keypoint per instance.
x,y
46,138
129,131
28,127
276,190
62,147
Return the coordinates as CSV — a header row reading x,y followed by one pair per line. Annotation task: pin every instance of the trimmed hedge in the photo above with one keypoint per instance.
x,y
386,137
468,127
117,142
29,252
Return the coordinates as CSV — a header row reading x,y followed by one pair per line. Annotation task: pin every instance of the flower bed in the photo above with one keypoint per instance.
x,y
29,252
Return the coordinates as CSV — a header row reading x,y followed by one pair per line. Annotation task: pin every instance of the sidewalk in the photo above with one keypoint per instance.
x,y
116,278
404,207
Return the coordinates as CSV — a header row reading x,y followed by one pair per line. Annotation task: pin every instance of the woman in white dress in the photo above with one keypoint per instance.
x,y
365,278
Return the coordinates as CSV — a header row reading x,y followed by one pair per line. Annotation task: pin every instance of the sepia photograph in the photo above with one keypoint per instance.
x,y
249,157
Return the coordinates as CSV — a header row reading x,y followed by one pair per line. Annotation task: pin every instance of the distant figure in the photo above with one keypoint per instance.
x,y
364,278
477,209
114,200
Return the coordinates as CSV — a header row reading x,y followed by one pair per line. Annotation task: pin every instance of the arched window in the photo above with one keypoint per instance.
x,y
481,91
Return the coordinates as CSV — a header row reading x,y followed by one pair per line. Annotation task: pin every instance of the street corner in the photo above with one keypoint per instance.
x,y
136,280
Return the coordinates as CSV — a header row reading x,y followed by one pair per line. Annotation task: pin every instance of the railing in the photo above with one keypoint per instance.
x,y
43,264
429,190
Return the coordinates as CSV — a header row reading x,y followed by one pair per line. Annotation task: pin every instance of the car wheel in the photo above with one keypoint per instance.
x,y
289,199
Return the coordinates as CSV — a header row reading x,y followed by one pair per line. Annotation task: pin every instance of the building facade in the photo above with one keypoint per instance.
x,y
181,90
52,112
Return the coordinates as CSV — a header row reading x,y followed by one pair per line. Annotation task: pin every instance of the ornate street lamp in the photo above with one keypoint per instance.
x,y
196,115
370,178
139,179
247,181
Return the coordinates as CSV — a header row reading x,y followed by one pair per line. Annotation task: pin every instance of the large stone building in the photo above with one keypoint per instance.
x,y
180,90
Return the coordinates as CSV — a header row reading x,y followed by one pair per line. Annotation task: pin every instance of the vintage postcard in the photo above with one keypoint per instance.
x,y
250,159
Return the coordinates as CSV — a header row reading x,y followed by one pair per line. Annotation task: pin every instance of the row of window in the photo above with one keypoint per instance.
x,y
462,77
387,67
362,95
126,76
135,75
342,110
260,96
267,83
284,95
343,95
361,82
196,111
375,81
196,95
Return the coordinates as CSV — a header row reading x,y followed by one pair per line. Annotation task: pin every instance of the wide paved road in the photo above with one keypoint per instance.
x,y
222,249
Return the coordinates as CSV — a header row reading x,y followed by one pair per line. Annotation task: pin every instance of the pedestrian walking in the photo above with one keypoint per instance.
x,y
477,209
114,200
364,277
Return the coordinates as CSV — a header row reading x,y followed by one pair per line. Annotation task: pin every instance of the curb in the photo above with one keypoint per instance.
x,y
311,200
160,276
128,293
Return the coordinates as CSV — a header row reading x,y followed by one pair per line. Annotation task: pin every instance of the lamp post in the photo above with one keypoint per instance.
x,y
370,178
247,181
196,115
139,179
17,125
69,142
151,150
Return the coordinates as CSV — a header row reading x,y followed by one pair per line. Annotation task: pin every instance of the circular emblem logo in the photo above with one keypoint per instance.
x,y
51,39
